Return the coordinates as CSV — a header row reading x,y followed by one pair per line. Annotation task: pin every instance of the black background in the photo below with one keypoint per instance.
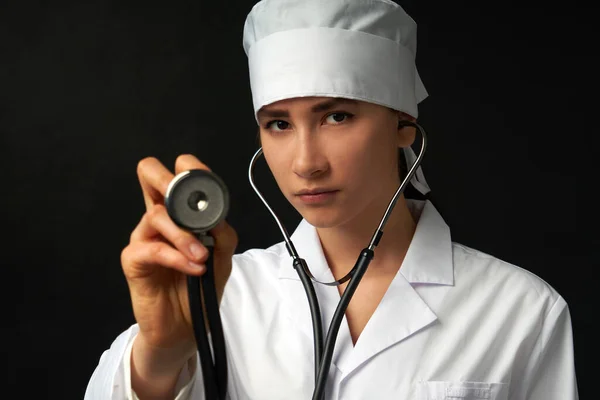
x,y
88,88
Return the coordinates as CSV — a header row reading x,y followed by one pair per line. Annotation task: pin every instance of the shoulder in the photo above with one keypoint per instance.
x,y
268,258
258,267
483,272
254,280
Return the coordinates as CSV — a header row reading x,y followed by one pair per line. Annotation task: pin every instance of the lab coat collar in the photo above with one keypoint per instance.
x,y
401,313
428,259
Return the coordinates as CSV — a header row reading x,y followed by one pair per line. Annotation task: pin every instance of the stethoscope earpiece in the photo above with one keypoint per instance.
x,y
404,123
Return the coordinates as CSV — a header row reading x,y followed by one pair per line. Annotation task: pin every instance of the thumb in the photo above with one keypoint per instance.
x,y
226,238
226,241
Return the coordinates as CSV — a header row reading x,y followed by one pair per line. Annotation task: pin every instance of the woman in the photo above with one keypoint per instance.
x,y
431,319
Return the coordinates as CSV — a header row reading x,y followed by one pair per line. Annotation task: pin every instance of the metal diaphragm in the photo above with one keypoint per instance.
x,y
197,200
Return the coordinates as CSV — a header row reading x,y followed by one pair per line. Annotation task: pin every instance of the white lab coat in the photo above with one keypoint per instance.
x,y
455,323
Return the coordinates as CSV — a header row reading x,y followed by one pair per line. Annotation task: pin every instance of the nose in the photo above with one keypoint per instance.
x,y
309,159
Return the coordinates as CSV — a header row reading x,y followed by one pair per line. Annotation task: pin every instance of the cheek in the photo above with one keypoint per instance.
x,y
278,163
358,169
373,156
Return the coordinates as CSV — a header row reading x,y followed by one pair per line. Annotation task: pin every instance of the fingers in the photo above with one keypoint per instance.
x,y
157,239
156,223
136,258
154,179
186,162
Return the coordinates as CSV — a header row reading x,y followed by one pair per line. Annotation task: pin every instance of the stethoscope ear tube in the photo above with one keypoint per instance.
x,y
201,288
211,304
201,336
214,375
315,312
366,255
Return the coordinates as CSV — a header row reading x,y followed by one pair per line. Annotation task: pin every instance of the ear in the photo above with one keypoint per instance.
x,y
406,134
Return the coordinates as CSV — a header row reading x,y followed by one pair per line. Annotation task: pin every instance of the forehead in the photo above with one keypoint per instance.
x,y
307,101
281,108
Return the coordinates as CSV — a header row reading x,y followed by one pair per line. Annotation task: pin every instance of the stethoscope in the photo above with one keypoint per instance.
x,y
197,200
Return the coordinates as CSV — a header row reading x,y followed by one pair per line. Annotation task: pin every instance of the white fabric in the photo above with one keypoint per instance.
x,y
322,61
455,323
357,49
112,378
182,388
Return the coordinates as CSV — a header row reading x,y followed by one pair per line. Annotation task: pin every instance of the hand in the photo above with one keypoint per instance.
x,y
155,263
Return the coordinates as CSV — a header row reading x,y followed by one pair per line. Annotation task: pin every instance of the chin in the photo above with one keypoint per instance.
x,y
321,217
324,216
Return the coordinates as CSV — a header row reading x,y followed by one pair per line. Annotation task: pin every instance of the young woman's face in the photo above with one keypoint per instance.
x,y
345,146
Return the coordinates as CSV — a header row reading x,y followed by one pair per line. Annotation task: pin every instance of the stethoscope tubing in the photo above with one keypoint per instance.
x,y
323,353
213,364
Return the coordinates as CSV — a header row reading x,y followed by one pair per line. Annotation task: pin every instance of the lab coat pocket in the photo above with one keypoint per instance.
x,y
444,390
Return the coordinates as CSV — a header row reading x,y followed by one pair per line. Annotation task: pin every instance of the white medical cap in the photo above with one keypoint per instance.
x,y
356,49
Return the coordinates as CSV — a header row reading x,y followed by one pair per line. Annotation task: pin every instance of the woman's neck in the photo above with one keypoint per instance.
x,y
342,244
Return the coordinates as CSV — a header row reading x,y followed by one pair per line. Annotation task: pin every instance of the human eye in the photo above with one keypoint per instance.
x,y
339,117
281,125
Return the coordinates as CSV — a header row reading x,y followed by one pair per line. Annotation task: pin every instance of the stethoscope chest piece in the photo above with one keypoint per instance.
x,y
197,200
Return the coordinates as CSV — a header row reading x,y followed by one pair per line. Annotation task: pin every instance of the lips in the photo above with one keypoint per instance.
x,y
314,191
317,196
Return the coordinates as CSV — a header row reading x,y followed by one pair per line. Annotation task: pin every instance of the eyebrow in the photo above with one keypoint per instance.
x,y
319,107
